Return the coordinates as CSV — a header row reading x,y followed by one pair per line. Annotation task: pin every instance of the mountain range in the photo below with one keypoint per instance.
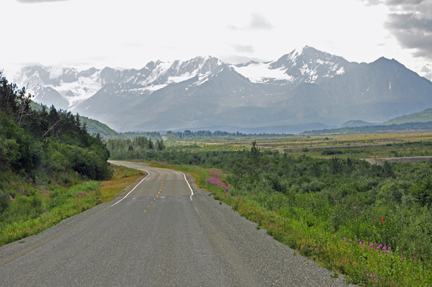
x,y
304,89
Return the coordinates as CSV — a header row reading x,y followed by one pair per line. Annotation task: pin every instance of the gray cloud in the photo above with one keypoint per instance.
x,y
412,32
258,22
427,73
410,21
393,2
39,1
243,48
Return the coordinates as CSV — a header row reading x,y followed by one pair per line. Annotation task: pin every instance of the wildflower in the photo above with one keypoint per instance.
x,y
365,270
335,235
383,220
389,248
344,238
401,259
350,240
385,247
371,244
360,242
376,280
11,198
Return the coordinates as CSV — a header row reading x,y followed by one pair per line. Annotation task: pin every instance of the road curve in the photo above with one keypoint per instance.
x,y
157,236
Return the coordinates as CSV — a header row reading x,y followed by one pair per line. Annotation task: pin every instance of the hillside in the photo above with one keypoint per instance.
x,y
356,123
94,127
421,117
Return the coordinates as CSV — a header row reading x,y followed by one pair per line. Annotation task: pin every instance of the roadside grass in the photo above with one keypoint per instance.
x,y
122,178
362,262
32,209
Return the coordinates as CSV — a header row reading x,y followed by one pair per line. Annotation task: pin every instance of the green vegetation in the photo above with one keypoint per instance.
x,y
122,178
346,214
95,127
421,117
27,209
131,149
407,149
49,165
31,209
48,144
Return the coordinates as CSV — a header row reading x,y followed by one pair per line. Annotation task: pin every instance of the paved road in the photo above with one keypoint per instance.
x,y
157,236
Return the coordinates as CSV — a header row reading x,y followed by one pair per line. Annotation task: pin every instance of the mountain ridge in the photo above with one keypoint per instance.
x,y
302,87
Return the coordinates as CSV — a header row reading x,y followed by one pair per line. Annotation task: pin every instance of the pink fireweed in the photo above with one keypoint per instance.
x,y
213,179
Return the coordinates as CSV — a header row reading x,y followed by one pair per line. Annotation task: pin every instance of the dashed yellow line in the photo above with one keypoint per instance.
x,y
160,189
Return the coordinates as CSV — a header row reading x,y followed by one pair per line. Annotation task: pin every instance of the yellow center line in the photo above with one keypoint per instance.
x,y
145,210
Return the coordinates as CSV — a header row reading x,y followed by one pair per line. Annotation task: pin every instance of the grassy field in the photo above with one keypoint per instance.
x,y
354,146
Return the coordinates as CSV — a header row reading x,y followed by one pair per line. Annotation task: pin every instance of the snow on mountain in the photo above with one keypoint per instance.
x,y
306,65
76,87
72,86
262,72
73,89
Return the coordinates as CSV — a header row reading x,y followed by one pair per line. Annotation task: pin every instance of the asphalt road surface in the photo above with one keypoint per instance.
x,y
159,235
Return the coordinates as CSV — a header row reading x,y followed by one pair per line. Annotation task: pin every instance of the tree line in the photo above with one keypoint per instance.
x,y
133,148
43,144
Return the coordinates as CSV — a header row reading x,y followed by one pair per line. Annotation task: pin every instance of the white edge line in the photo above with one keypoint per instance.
x,y
134,187
189,186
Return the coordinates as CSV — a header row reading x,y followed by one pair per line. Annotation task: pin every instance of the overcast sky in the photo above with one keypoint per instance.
x,y
130,33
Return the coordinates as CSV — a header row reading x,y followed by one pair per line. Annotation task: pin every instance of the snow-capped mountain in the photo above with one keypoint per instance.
x,y
307,65
63,87
300,88
76,87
